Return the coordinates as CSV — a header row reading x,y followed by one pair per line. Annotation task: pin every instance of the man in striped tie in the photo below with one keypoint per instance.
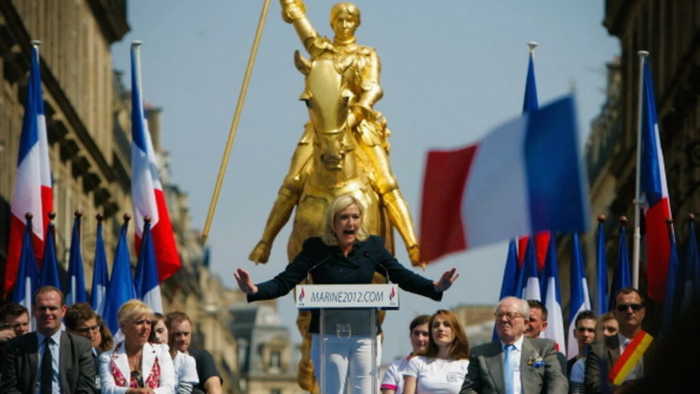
x,y
514,364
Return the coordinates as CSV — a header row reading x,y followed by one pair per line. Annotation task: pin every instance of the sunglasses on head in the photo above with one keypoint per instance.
x,y
624,307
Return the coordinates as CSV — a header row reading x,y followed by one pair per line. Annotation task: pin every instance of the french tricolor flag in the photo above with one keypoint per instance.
x,y
33,192
146,280
530,280
531,103
552,299
146,189
579,298
523,177
654,193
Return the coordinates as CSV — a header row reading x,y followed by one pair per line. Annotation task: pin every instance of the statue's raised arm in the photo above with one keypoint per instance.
x,y
294,12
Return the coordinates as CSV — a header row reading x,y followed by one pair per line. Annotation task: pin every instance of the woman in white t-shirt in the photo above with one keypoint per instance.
x,y
420,337
443,366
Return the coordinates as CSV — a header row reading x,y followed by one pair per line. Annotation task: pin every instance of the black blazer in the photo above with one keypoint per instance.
x,y
327,265
77,367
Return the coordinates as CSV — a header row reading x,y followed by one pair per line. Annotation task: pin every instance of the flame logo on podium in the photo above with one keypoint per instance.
x,y
393,294
301,295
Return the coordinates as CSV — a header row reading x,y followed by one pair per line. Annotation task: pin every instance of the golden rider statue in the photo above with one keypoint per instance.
x,y
362,68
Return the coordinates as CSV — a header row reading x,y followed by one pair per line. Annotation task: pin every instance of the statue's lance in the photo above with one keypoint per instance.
x,y
236,119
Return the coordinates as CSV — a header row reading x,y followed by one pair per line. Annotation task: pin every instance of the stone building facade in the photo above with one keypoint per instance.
x,y
669,30
79,99
266,355
88,125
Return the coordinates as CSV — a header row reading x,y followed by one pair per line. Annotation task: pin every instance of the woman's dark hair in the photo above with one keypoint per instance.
x,y
418,321
459,348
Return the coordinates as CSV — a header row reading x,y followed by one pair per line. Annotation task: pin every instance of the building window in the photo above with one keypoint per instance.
x,y
275,359
275,364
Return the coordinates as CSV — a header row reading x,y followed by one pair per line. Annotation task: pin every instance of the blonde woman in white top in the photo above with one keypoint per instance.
x,y
136,366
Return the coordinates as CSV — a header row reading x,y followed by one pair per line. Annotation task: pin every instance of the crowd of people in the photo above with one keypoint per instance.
x,y
519,360
71,350
612,348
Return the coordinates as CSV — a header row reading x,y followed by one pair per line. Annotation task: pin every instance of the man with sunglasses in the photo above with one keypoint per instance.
x,y
618,360
81,320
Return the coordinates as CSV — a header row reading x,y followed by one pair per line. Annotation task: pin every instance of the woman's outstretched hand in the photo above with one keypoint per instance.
x,y
245,283
446,280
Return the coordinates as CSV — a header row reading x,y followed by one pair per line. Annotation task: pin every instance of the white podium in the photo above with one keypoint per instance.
x,y
347,312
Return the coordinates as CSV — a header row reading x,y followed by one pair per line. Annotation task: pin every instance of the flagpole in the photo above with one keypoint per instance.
x,y
637,201
236,119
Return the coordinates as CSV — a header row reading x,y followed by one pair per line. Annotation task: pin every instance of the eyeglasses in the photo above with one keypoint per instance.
x,y
508,315
624,307
85,330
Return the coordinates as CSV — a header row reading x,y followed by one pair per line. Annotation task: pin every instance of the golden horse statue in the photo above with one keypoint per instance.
x,y
344,149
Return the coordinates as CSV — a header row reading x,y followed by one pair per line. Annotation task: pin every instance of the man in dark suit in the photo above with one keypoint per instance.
x,y
49,360
515,364
629,311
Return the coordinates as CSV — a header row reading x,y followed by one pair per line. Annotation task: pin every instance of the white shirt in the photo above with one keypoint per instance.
x,y
393,377
436,375
185,369
55,347
515,355
638,370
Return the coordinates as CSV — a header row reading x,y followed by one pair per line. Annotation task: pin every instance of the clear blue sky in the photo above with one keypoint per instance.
x,y
452,70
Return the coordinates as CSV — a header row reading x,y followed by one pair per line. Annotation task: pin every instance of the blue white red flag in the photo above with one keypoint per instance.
x,y
672,299
121,285
147,287
75,291
552,299
601,289
622,276
49,268
32,193
579,300
654,193
509,284
100,276
28,275
541,184
146,190
530,281
531,103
